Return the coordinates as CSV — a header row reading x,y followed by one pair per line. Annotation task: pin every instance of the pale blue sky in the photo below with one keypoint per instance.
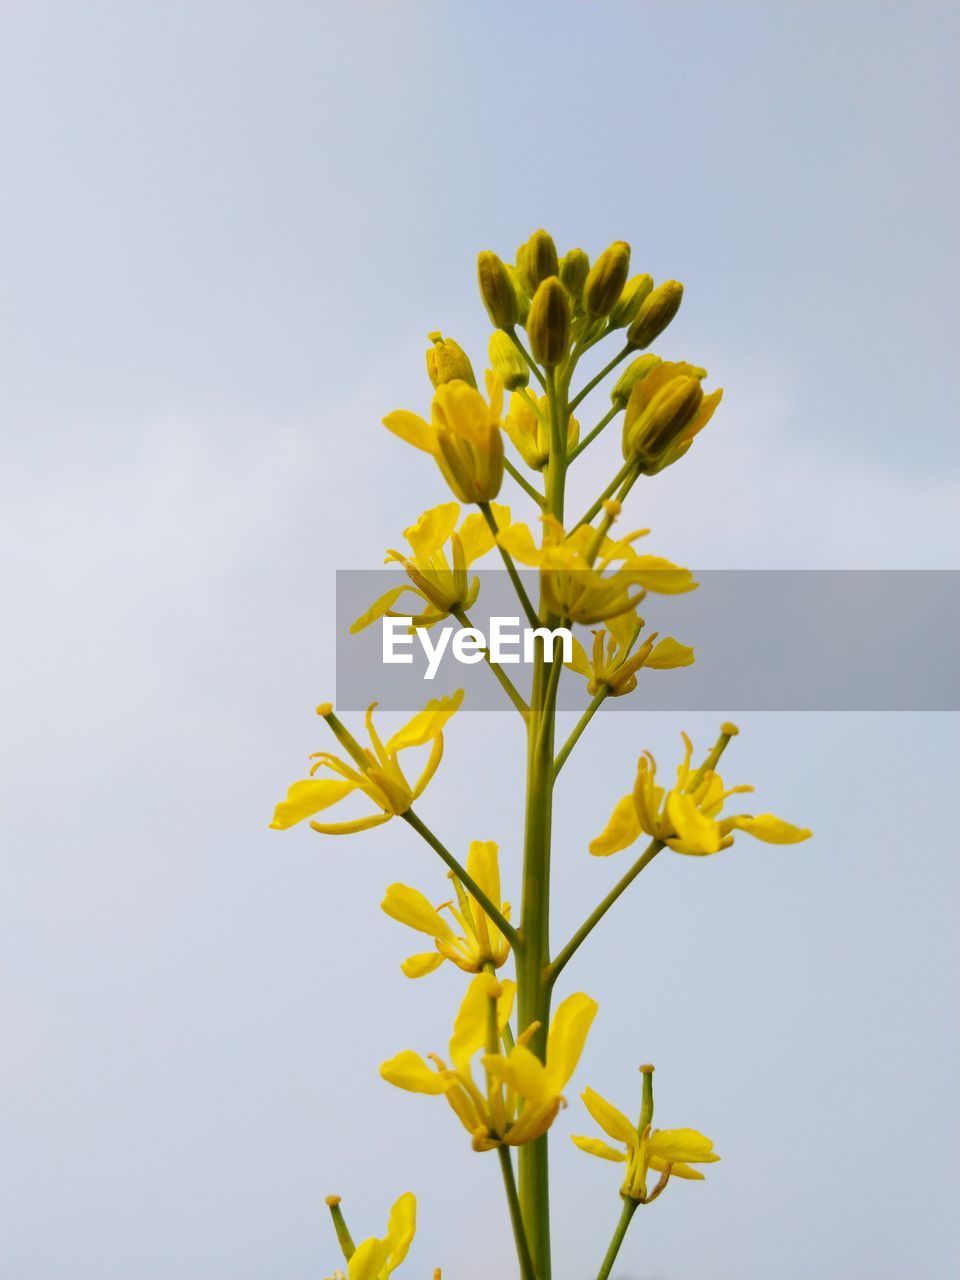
x,y
227,231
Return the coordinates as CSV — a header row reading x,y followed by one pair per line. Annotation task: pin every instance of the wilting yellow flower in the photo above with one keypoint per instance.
x,y
521,1095
377,1259
613,666
669,1152
439,580
377,772
530,430
579,591
666,409
479,942
463,435
686,817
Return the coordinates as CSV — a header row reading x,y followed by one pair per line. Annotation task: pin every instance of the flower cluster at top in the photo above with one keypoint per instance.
x,y
505,1078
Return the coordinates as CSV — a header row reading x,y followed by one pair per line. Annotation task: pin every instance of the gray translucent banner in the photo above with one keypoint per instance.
x,y
765,640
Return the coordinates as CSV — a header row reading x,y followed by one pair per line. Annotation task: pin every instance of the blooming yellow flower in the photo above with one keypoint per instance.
x,y
479,942
579,590
669,1152
666,409
377,1259
522,1095
686,817
613,667
439,581
375,770
463,435
529,430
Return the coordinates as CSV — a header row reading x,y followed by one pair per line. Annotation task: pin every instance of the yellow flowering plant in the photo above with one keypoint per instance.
x,y
511,1057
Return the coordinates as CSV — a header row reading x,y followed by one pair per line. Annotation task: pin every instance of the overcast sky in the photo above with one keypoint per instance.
x,y
227,230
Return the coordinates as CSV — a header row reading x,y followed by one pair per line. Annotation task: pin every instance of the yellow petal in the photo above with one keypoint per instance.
x,y
412,428
663,576
696,833
594,1147
433,529
676,1170
686,1145
411,908
420,965
522,1070
567,1036
669,653
579,661
352,827
407,1070
368,1260
307,797
773,830
475,534
378,608
401,1229
610,1120
470,1024
620,832
483,865
426,724
518,541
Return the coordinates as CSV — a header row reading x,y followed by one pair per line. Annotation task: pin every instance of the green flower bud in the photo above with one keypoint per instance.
x,y
635,293
671,409
496,291
656,312
508,363
574,269
631,375
548,324
537,259
523,298
447,360
605,282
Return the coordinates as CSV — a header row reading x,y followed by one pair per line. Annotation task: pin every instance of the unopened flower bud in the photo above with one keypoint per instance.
x,y
664,418
548,324
574,269
496,290
605,282
656,312
631,375
447,360
522,297
537,259
508,363
635,293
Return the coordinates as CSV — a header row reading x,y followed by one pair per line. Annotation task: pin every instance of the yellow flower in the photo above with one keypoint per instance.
x,y
578,591
687,817
479,942
375,770
463,435
529,430
613,668
440,581
376,1259
521,1095
669,1152
666,409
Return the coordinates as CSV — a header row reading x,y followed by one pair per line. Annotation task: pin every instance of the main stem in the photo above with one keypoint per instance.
x,y
533,987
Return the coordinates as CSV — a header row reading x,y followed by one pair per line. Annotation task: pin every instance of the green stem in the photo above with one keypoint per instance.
x,y
506,683
493,911
523,482
604,526
592,435
608,492
344,1238
516,1217
629,1209
581,724
511,568
607,368
593,919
